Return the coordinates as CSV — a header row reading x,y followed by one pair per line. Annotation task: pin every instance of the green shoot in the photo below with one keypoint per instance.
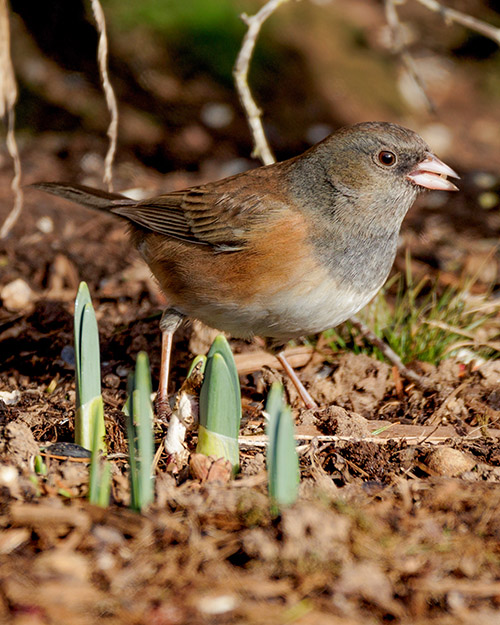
x,y
282,459
140,435
100,471
220,405
88,374
196,360
40,466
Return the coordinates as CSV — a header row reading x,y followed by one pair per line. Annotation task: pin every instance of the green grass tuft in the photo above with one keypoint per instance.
x,y
424,323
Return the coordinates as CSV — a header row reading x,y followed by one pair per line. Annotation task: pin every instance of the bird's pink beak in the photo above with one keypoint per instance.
x,y
431,173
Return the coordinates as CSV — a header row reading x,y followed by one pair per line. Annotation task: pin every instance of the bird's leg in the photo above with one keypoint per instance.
x,y
301,390
170,321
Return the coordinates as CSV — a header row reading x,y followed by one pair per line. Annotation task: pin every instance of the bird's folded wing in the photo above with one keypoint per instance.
x,y
212,214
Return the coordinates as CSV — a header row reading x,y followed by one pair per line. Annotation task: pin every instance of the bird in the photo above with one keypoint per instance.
x,y
283,250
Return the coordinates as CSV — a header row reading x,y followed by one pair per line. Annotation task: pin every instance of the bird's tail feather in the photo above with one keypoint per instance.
x,y
86,196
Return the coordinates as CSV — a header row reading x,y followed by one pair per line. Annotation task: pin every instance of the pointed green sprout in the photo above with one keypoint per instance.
x,y
40,466
196,360
88,373
140,435
282,459
220,405
100,471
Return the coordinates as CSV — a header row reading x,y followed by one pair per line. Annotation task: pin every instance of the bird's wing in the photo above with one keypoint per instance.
x,y
220,214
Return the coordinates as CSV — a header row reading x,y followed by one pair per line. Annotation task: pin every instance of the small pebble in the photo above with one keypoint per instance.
x,y
216,114
484,180
122,371
17,295
217,605
92,163
45,225
68,355
448,461
111,380
69,450
10,398
8,475
488,200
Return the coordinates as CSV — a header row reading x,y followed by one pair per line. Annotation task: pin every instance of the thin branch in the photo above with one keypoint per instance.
x,y
15,185
102,55
253,113
400,48
451,15
8,96
261,441
436,417
391,355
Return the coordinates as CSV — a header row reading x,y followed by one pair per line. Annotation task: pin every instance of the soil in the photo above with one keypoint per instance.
x,y
398,516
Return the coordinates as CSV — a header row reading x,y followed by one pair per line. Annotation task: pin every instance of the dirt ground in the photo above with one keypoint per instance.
x,y
398,518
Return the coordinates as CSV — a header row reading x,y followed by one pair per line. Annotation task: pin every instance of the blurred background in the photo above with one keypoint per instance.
x,y
318,65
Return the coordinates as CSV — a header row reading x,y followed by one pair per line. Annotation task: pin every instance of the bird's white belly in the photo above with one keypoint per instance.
x,y
288,313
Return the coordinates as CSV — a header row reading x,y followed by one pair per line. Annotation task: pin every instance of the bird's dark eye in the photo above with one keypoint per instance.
x,y
387,158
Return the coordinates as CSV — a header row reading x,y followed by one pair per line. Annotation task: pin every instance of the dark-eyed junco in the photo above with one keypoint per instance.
x,y
284,250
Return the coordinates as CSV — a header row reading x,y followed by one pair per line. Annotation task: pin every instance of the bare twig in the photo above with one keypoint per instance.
x,y
399,47
436,417
261,441
8,96
253,113
102,55
391,355
451,15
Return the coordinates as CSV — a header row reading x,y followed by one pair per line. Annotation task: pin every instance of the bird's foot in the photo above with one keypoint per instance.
x,y
163,409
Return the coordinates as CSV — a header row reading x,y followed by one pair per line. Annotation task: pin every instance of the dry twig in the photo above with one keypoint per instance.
x,y
451,15
253,113
102,55
390,354
8,96
400,48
